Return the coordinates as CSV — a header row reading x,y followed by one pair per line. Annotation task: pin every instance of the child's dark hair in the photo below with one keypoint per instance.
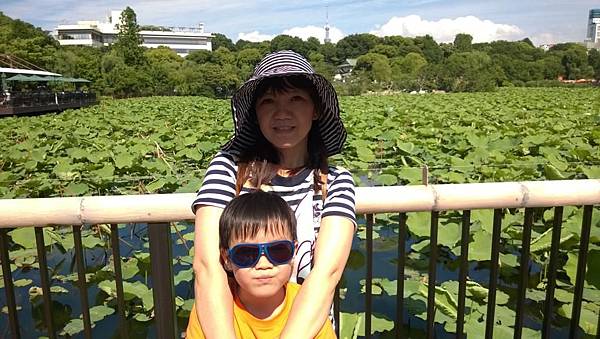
x,y
264,151
252,213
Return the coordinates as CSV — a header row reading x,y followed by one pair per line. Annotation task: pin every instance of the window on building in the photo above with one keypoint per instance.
x,y
75,36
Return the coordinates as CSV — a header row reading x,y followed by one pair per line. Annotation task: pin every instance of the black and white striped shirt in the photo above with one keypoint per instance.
x,y
218,188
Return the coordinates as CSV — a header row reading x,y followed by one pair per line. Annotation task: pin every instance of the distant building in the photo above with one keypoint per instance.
x,y
593,31
345,69
183,40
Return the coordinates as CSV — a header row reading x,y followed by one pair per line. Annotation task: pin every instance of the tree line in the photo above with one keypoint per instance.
x,y
382,63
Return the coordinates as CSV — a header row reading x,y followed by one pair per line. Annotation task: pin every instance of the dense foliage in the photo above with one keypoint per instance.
x,y
383,63
163,144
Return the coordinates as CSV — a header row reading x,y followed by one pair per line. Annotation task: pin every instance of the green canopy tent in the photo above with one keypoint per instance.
x,y
74,80
20,77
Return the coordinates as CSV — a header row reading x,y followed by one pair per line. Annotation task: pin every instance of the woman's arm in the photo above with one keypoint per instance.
x,y
312,304
214,302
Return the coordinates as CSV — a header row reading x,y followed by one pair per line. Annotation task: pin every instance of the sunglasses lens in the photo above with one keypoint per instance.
x,y
281,252
244,256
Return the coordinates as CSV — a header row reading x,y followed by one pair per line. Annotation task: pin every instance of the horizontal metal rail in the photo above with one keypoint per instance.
x,y
171,207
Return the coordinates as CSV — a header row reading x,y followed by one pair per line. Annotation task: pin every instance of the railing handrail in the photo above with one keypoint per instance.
x,y
173,207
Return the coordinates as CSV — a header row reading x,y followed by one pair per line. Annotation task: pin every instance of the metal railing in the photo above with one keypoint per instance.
x,y
160,210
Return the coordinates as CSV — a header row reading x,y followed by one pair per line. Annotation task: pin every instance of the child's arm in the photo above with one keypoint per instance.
x,y
312,304
214,302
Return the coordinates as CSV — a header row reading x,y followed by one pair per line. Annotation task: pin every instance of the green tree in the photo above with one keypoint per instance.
x,y
594,61
312,45
529,42
375,67
219,81
468,72
328,50
128,43
223,56
163,65
575,61
200,56
387,50
552,67
246,60
220,40
355,45
406,71
431,50
463,42
27,42
121,80
264,46
519,50
317,60
80,62
287,42
404,45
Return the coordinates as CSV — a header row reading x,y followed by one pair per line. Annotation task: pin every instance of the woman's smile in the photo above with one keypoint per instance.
x,y
285,118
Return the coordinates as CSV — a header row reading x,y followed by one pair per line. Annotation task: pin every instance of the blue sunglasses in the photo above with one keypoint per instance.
x,y
247,255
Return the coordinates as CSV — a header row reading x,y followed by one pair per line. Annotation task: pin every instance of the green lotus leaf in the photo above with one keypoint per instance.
x,y
76,189
184,275
588,320
419,223
123,160
100,312
481,246
386,179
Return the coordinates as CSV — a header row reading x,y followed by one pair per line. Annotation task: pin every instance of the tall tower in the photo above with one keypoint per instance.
x,y
593,34
327,39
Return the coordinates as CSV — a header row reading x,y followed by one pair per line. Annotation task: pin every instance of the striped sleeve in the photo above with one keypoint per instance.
x,y
340,195
218,187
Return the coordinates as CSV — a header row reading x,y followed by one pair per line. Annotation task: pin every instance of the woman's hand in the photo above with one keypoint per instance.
x,y
213,299
313,302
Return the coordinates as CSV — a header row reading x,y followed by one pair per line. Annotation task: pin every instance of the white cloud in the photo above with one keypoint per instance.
x,y
445,30
549,38
303,33
313,31
255,36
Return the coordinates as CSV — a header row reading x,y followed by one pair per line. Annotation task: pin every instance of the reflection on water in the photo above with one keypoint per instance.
x,y
66,306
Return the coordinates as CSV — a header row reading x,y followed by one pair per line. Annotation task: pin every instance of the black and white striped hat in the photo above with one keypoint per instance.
x,y
284,63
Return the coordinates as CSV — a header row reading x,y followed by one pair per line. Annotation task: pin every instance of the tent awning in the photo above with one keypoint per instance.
x,y
21,77
72,80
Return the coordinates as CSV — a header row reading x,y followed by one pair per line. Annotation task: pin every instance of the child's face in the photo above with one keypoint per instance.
x,y
264,279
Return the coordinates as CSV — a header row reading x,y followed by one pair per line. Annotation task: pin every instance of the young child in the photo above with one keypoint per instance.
x,y
257,241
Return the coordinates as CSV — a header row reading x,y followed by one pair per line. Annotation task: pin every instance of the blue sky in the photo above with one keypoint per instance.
x,y
547,21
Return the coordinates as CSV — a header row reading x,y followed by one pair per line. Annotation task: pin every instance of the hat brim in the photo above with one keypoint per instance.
x,y
329,122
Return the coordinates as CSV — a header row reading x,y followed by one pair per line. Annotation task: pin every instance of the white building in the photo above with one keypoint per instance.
x,y
593,31
182,40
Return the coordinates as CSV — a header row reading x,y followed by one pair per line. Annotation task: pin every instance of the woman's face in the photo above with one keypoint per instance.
x,y
285,118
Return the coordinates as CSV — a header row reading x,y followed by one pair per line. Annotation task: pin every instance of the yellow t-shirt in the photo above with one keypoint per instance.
x,y
247,326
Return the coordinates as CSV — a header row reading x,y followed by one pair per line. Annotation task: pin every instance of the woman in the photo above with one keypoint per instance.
x,y
287,124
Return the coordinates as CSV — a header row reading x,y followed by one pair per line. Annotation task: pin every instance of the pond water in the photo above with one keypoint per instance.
x,y
134,240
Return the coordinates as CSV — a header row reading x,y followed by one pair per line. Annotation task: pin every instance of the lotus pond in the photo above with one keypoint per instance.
x,y
163,144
